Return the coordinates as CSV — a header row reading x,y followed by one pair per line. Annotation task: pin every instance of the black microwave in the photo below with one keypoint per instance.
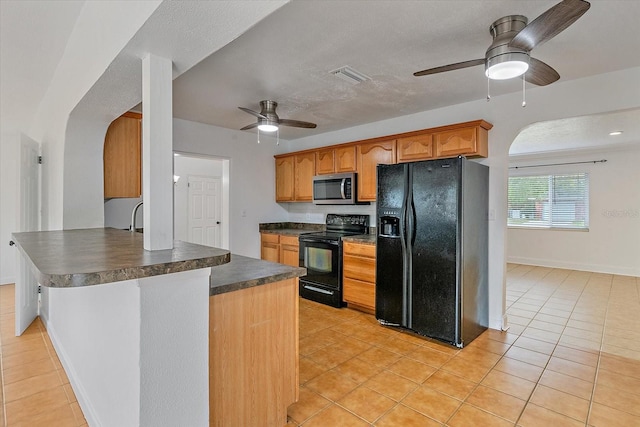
x,y
335,189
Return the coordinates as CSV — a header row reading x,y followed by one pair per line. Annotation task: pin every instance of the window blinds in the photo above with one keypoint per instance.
x,y
549,201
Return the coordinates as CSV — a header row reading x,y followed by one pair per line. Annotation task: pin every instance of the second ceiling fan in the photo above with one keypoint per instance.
x,y
513,40
268,120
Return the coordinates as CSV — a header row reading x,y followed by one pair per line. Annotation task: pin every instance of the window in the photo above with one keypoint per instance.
x,y
549,201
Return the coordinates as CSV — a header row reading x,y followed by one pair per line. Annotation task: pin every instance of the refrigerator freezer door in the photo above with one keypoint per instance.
x,y
390,256
435,291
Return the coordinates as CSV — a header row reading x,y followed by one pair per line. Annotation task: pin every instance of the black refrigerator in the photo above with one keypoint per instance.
x,y
432,248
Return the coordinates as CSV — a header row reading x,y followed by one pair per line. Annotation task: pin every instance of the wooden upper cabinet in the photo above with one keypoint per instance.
x,y
285,179
370,155
122,157
415,148
345,159
471,141
305,169
336,160
325,161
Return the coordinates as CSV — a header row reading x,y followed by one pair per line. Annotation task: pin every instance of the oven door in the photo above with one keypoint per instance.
x,y
323,262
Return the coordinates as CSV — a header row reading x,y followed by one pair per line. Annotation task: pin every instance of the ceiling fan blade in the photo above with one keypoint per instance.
x,y
549,24
253,113
251,126
540,73
297,124
450,67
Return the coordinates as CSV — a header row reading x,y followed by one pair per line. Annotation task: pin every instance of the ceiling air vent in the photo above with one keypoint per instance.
x,y
350,75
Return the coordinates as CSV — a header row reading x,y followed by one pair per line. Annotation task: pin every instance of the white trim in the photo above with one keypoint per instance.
x,y
593,268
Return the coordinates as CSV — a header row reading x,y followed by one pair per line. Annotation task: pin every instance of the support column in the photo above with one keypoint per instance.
x,y
157,152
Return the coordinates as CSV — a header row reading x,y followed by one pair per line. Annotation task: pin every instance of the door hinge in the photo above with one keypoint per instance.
x,y
39,289
39,160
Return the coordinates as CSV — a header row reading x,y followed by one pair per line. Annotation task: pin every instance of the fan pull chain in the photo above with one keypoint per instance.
x,y
278,136
258,135
488,95
524,100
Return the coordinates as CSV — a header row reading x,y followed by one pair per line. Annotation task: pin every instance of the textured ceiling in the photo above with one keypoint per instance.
x,y
287,58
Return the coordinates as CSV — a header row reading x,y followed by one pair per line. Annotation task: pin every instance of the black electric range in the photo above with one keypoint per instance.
x,y
321,254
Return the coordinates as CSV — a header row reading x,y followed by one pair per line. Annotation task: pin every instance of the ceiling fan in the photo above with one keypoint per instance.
x,y
514,39
268,120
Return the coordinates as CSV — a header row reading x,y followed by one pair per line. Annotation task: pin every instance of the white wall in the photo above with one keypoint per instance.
x,y
612,244
251,175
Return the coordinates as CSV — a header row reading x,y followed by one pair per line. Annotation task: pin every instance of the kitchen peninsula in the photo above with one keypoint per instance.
x,y
184,336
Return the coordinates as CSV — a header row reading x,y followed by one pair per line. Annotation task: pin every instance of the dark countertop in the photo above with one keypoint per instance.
x,y
71,258
366,239
290,228
243,272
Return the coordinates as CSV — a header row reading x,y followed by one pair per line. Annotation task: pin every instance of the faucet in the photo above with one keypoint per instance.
x,y
132,227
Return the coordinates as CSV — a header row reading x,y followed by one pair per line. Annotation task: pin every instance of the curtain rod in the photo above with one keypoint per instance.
x,y
557,164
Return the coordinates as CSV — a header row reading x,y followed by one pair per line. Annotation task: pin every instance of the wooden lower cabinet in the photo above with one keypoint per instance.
x,y
270,247
253,355
289,247
279,248
359,276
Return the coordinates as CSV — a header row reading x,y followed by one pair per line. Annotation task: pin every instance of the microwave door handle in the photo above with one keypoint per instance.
x,y
342,184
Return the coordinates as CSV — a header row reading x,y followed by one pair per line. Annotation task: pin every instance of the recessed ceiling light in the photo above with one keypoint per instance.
x,y
615,132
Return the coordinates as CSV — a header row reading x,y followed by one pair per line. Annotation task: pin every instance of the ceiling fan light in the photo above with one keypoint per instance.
x,y
267,126
507,66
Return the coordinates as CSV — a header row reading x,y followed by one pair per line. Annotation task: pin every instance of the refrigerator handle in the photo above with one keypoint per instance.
x,y
413,220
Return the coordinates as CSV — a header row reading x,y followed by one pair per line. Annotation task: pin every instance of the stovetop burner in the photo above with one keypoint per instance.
x,y
339,226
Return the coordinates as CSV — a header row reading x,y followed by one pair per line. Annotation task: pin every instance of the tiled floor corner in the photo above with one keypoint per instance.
x,y
571,357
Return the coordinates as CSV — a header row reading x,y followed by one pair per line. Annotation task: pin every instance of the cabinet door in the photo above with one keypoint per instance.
x,y
463,141
370,155
122,158
415,148
285,179
324,161
345,159
289,250
270,247
305,168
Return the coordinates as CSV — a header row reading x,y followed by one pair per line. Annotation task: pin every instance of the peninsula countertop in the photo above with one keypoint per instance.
x,y
72,258
244,272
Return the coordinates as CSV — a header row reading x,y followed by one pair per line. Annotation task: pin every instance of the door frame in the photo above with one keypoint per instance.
x,y
225,177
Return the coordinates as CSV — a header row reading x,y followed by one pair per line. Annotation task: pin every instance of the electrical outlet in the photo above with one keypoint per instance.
x,y
308,216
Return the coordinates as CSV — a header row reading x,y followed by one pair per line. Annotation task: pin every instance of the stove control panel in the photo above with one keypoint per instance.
x,y
347,220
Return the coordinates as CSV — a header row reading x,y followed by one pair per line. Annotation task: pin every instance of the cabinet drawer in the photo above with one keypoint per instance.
x,y
359,249
270,238
289,240
359,292
359,268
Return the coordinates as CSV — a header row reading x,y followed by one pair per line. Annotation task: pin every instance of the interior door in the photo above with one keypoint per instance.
x,y
205,210
26,292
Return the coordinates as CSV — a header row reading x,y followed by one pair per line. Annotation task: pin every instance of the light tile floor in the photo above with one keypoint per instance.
x,y
35,389
571,357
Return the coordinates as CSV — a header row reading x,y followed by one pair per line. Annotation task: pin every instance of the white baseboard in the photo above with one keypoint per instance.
x,y
593,268
81,394
7,280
